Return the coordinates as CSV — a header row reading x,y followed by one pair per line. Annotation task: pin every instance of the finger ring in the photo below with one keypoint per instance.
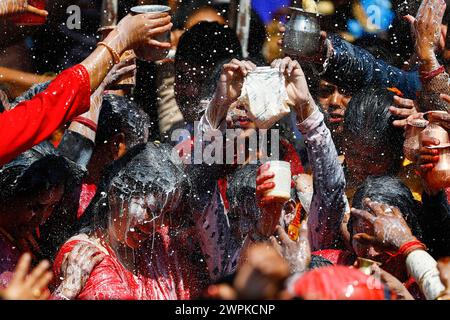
x,y
388,210
37,293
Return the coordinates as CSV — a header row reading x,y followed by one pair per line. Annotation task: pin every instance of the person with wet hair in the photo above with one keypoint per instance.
x,y
76,148
390,191
141,222
379,150
333,99
32,185
381,230
373,143
243,206
185,17
121,126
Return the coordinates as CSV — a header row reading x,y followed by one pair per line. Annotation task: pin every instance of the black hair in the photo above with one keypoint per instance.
x,y
208,43
368,120
318,262
39,169
121,115
257,27
391,191
27,95
144,168
30,93
244,210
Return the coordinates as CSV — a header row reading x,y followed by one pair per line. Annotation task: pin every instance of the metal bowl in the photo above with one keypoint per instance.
x,y
302,36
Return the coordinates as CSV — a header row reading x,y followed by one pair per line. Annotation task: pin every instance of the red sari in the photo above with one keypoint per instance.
x,y
33,121
164,273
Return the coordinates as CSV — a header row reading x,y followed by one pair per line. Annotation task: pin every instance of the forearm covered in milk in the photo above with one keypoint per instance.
x,y
423,268
219,247
329,203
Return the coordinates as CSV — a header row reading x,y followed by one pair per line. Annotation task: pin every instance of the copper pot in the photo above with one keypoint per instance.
x,y
302,36
126,83
411,145
433,130
439,177
150,53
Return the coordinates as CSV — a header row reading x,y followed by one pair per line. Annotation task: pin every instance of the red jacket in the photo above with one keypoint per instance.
x,y
33,121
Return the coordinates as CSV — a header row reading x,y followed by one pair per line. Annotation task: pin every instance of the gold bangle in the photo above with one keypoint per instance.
x,y
115,55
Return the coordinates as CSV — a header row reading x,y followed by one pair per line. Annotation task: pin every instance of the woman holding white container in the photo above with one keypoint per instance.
x,y
329,202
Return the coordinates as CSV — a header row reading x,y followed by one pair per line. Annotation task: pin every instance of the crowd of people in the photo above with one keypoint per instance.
x,y
96,204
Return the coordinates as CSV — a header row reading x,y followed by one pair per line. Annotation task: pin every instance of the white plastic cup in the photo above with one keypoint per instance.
x,y
282,179
147,53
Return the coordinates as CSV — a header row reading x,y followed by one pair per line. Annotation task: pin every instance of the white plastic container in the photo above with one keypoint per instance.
x,y
282,179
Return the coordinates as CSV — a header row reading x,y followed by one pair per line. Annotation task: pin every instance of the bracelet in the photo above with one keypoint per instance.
x,y
87,122
411,246
425,76
115,55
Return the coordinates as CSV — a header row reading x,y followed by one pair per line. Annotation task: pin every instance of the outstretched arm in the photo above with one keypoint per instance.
x,y
354,68
328,205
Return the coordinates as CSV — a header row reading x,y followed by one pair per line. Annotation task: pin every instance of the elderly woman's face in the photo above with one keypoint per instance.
x,y
135,220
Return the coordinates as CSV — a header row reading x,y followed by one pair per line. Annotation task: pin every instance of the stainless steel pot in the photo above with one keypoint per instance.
x,y
302,36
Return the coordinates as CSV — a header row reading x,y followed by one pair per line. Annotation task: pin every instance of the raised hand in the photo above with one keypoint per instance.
x,y
389,231
296,86
296,253
404,108
427,31
121,70
231,80
28,286
440,118
141,29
